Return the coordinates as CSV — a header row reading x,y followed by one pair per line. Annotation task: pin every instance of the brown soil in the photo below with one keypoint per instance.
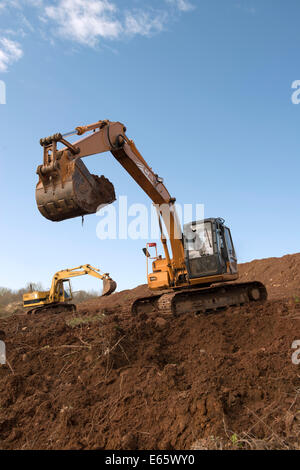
x,y
102,379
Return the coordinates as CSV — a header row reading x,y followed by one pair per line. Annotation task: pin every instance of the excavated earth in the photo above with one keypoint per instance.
x,y
103,379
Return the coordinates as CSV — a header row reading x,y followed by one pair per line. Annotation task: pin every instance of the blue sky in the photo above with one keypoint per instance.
x,y
204,88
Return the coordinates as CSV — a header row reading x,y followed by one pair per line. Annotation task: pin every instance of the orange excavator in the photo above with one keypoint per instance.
x,y
196,272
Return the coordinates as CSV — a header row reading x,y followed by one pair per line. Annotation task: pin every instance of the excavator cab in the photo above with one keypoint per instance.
x,y
65,291
209,249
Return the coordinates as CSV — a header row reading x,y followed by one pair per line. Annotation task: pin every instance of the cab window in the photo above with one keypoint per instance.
x,y
199,240
229,243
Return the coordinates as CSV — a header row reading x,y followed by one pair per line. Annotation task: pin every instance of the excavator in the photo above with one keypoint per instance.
x,y
60,294
199,265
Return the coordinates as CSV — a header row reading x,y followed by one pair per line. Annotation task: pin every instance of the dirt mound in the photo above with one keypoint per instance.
x,y
281,276
100,379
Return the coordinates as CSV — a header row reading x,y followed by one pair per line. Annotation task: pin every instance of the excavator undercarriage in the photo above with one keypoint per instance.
x,y
59,307
203,300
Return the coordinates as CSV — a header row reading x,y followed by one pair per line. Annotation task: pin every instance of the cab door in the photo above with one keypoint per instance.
x,y
67,290
232,259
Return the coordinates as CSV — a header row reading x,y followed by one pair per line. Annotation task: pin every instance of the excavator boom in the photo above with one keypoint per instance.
x,y
109,285
66,189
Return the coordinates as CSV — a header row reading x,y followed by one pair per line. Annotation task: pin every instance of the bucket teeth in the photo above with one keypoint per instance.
x,y
72,192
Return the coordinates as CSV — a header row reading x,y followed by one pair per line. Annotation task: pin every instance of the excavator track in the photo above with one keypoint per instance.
x,y
53,308
201,300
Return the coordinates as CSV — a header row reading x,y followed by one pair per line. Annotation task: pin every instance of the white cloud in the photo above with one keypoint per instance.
x,y
20,3
10,52
144,23
10,3
182,5
85,21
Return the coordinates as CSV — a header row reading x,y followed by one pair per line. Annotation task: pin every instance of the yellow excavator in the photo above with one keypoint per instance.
x,y
196,274
60,294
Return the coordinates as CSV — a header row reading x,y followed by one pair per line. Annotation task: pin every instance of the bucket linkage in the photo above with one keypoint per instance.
x,y
66,189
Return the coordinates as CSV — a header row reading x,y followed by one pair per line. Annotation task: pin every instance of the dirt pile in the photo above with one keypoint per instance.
x,y
281,276
101,379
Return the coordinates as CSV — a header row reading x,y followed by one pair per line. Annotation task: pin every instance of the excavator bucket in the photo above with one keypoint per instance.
x,y
109,286
70,190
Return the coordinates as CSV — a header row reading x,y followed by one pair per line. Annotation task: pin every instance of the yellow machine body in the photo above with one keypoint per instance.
x,y
60,292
